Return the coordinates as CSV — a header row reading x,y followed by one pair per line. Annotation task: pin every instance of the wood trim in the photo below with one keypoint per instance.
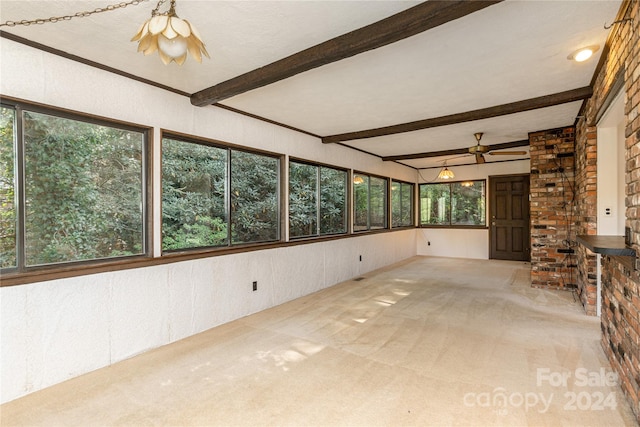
x,y
457,151
263,119
622,12
612,93
63,54
473,164
483,113
75,270
57,52
412,21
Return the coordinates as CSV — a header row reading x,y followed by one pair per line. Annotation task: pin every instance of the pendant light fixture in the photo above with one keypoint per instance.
x,y
445,173
169,35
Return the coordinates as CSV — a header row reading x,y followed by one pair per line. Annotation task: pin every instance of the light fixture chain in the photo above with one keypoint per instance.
x,y
54,19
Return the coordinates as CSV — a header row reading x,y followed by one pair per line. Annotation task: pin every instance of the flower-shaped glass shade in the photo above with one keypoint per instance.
x,y
172,37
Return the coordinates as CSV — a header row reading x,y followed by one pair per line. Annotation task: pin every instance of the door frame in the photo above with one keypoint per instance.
x,y
491,179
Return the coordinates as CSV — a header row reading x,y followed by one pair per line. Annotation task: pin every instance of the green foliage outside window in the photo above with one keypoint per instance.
x,y
8,224
306,216
204,204
453,204
333,201
83,190
370,202
303,199
401,204
254,198
193,195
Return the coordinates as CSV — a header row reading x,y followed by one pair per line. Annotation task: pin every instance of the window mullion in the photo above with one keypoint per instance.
x,y
19,182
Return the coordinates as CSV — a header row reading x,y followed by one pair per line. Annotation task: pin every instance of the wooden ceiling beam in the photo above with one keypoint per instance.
x,y
455,151
469,116
407,23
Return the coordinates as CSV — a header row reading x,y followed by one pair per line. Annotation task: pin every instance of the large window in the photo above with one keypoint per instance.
x,y
317,200
401,204
370,202
459,204
217,196
83,196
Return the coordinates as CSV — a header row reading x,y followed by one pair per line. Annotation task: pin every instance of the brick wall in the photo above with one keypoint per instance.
x,y
621,324
586,215
552,208
620,282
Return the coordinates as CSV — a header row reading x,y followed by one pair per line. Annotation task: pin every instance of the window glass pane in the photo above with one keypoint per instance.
x,y
434,204
303,202
254,198
396,204
8,224
401,204
407,205
83,189
333,201
467,203
194,211
378,202
360,202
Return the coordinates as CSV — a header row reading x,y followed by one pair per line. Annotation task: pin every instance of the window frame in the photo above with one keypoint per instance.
x,y
176,136
146,190
347,199
449,224
413,203
151,175
387,202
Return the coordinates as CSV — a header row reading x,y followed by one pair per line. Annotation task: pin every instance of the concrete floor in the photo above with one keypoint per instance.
x,y
431,341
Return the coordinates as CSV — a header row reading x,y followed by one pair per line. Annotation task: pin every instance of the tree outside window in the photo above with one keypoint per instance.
x,y
401,204
84,192
216,196
317,200
370,202
453,204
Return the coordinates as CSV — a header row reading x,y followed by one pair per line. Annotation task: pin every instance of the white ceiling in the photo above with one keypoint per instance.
x,y
507,52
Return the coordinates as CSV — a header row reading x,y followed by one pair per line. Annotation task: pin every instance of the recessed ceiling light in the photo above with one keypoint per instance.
x,y
583,53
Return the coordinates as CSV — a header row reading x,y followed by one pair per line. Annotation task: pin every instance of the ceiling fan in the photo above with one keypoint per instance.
x,y
479,150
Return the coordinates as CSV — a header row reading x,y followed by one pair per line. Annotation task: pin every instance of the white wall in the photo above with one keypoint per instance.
x,y
611,170
52,331
465,243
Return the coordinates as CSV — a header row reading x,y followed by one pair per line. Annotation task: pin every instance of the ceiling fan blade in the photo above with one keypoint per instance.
x,y
479,158
509,153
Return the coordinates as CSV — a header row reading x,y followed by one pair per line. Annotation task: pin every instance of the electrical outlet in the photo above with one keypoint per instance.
x,y
255,286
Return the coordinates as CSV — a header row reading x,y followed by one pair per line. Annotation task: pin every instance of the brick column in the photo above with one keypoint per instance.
x,y
586,204
553,231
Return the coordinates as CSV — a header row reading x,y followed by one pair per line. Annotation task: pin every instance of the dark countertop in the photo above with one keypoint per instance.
x,y
606,245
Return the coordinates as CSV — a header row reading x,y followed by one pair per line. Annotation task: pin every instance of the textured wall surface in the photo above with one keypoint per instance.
x,y
552,209
53,331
